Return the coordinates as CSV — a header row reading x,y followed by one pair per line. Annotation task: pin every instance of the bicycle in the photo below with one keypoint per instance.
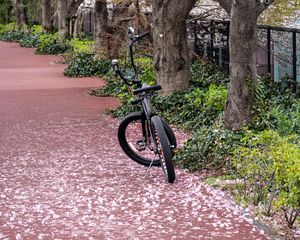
x,y
144,136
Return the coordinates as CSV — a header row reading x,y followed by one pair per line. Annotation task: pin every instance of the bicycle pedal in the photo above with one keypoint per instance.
x,y
141,146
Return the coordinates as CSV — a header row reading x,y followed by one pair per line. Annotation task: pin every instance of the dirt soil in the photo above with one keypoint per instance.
x,y
64,176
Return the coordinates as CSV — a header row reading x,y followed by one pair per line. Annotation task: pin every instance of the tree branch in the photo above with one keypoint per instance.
x,y
226,4
204,15
262,5
73,6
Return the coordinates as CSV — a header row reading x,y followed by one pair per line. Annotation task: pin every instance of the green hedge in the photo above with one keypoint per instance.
x,y
11,33
86,64
32,38
270,168
51,44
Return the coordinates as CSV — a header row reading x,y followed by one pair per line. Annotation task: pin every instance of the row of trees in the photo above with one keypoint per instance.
x,y
170,46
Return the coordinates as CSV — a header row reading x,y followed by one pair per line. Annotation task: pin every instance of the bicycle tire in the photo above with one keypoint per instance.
x,y
170,135
163,150
125,144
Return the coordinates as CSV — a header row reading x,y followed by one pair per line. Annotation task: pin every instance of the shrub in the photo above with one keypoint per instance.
x,y
209,148
8,27
12,36
31,39
215,98
81,46
277,107
190,109
36,29
193,108
286,120
270,167
26,37
81,64
11,33
86,64
146,71
51,44
204,73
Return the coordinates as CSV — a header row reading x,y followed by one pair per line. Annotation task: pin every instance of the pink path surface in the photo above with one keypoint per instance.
x,y
63,175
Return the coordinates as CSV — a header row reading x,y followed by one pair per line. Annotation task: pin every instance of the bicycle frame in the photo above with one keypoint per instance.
x,y
147,106
144,96
147,112
157,136
134,80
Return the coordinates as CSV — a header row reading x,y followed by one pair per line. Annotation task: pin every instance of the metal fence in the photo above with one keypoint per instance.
x,y
278,49
88,22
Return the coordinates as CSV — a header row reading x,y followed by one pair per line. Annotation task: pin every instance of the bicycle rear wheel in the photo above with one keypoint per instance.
x,y
162,148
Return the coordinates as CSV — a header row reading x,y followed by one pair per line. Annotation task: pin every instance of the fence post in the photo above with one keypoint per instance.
x,y
295,60
269,50
195,38
220,57
212,41
90,19
228,53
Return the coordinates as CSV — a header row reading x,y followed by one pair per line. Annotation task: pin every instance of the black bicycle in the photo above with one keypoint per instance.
x,y
144,136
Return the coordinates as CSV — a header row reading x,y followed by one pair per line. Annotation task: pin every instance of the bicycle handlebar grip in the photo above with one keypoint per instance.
x,y
115,64
147,89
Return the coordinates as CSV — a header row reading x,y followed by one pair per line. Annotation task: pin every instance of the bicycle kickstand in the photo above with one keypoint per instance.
x,y
149,168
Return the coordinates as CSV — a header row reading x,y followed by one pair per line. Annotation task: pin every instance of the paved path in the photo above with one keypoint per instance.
x,y
63,175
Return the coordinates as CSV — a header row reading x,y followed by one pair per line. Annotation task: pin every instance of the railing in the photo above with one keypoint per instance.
x,y
278,49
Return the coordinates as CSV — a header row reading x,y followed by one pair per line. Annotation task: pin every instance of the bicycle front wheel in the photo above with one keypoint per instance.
x,y
162,148
134,138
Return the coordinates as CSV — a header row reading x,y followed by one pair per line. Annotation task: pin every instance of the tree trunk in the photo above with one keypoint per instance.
x,y
46,16
63,21
79,24
20,13
140,20
117,32
75,31
54,20
73,7
72,12
242,50
243,71
101,23
171,58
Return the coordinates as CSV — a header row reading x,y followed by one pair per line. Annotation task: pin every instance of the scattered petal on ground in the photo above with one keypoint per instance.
x,y
64,176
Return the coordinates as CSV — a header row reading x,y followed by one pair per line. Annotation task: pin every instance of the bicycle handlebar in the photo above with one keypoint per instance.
x,y
115,62
146,89
139,37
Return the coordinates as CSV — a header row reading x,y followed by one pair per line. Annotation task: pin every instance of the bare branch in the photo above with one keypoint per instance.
x,y
73,6
140,18
204,15
262,5
226,4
